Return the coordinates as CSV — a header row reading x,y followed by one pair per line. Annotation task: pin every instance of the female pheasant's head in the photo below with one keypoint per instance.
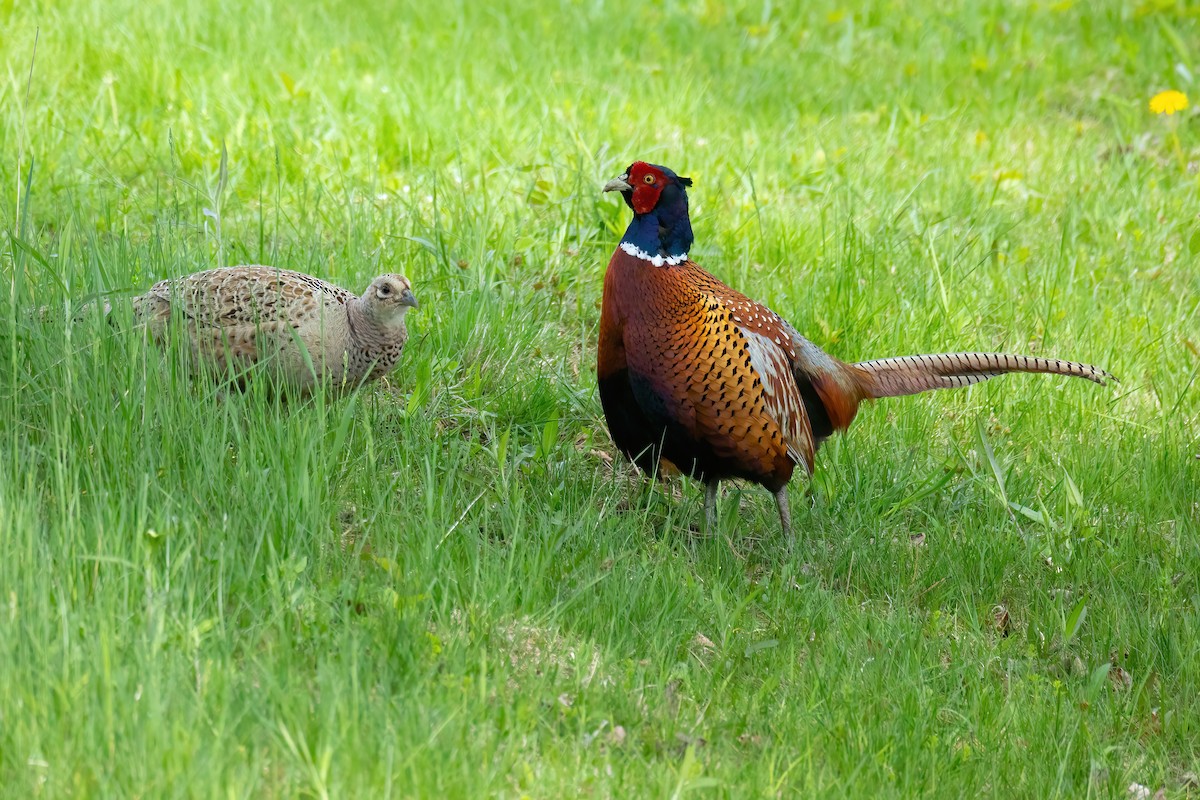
x,y
661,231
388,299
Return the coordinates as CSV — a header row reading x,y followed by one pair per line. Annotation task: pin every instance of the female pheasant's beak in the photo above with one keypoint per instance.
x,y
407,298
620,184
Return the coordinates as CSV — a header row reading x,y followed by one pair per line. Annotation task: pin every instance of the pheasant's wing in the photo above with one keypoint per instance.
x,y
723,383
236,296
830,390
782,396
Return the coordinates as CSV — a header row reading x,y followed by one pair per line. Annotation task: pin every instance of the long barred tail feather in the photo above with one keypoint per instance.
x,y
894,377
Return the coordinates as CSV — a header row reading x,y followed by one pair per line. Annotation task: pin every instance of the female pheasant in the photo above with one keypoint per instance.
x,y
694,372
301,328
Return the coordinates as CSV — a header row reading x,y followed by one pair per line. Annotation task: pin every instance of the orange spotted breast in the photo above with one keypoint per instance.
x,y
696,373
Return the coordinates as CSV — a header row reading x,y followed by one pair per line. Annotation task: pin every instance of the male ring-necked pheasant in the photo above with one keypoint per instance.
x,y
694,372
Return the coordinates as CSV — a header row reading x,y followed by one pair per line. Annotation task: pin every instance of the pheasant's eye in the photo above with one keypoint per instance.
x,y
649,178
384,290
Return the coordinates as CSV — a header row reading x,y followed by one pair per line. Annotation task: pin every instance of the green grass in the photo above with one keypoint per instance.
x,y
440,586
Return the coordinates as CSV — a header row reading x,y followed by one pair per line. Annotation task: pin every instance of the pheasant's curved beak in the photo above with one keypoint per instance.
x,y
620,184
407,298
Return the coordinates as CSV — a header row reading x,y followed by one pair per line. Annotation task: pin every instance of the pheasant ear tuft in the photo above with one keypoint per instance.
x,y
686,181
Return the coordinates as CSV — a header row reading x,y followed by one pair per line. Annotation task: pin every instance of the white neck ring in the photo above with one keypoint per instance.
x,y
656,260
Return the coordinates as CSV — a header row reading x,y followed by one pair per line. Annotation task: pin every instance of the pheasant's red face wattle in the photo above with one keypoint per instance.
x,y
647,183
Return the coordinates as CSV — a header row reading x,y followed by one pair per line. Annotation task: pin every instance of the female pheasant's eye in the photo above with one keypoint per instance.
x,y
384,290
649,178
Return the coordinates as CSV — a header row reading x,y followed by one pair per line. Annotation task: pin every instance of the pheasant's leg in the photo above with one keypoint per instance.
x,y
785,513
710,507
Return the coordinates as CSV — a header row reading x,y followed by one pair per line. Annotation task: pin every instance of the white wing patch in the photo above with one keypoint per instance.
x,y
782,395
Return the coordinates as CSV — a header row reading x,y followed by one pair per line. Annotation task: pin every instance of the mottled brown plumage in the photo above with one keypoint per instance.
x,y
694,372
301,328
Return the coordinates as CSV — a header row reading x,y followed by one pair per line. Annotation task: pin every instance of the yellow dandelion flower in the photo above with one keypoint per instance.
x,y
1168,102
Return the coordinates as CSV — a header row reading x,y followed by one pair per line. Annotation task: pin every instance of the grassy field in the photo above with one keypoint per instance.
x,y
446,586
